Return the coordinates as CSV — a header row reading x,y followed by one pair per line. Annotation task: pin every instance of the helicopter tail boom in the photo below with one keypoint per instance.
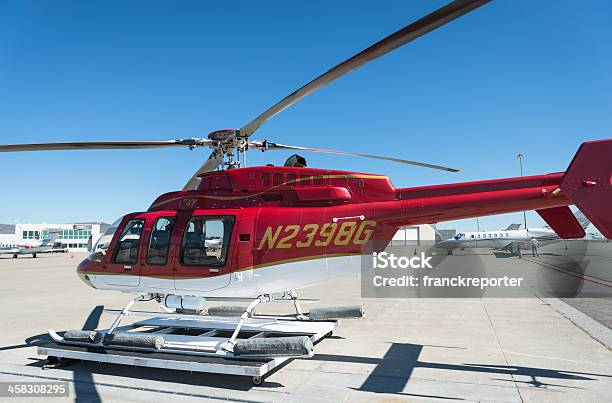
x,y
472,199
587,183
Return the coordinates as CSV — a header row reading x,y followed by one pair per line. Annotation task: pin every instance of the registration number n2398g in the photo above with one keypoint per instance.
x,y
307,235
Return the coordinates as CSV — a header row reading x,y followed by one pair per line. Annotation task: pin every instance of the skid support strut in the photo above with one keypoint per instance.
x,y
124,312
299,314
248,312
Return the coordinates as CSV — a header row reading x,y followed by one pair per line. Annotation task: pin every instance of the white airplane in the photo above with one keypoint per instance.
x,y
15,245
509,239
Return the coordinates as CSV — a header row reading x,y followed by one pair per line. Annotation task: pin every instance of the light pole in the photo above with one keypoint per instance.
x,y
521,157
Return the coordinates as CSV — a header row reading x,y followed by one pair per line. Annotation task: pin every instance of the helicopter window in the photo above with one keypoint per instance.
x,y
160,241
127,247
206,241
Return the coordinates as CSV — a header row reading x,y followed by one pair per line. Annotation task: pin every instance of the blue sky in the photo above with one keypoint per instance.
x,y
514,76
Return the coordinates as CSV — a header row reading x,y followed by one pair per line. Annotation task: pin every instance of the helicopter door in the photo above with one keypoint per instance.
x,y
156,262
122,266
202,263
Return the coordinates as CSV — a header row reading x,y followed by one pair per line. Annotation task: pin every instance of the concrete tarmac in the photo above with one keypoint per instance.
x,y
406,349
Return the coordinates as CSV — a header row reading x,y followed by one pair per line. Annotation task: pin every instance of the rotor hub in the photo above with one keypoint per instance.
x,y
223,135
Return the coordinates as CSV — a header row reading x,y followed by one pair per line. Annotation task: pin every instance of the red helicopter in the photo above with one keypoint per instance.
x,y
250,232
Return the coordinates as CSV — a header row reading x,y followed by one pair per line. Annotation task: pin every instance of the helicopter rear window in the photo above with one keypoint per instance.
x,y
160,241
127,247
206,241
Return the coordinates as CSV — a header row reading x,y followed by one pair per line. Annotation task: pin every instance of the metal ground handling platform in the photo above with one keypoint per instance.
x,y
195,343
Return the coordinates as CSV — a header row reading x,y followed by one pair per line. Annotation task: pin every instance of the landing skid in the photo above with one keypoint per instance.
x,y
214,344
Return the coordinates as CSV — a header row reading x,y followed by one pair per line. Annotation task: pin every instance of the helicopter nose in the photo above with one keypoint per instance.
x,y
84,270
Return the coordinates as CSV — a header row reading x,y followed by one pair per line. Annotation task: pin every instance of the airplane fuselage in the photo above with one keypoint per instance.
x,y
502,239
14,245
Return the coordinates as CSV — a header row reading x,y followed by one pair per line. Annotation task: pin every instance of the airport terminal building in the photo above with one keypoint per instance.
x,y
74,237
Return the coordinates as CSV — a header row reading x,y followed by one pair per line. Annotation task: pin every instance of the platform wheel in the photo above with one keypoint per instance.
x,y
15,256
257,380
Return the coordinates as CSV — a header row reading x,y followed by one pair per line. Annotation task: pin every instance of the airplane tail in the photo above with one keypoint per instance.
x,y
588,183
50,239
438,234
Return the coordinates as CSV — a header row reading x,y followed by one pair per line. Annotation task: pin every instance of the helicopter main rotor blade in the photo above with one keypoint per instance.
x,y
106,145
407,34
265,145
214,160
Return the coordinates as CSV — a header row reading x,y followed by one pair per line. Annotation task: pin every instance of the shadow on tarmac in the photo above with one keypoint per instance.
x,y
83,383
390,375
84,386
393,371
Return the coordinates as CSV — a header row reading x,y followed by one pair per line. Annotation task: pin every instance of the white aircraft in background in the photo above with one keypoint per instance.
x,y
15,245
510,239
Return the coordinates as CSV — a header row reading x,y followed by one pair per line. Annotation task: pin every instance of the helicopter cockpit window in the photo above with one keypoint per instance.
x,y
127,246
206,241
160,241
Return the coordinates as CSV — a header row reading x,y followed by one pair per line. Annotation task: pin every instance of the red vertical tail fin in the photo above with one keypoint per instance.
x,y
588,183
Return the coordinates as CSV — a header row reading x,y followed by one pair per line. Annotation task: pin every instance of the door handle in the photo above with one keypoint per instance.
x,y
127,268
